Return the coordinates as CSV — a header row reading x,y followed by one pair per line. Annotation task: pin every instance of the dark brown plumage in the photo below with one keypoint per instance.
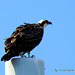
x,y
24,39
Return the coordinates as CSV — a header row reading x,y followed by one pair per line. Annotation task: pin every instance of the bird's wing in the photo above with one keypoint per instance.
x,y
12,39
22,31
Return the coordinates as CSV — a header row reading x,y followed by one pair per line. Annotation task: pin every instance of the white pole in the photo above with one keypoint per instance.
x,y
24,66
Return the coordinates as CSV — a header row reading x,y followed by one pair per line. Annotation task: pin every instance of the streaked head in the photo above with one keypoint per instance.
x,y
44,23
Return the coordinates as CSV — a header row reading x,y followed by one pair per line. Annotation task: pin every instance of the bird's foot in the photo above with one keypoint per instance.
x,y
22,56
32,56
25,56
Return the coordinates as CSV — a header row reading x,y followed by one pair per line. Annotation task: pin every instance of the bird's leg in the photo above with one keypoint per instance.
x,y
28,52
22,54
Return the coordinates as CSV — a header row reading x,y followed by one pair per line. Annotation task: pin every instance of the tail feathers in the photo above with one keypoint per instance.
x,y
6,57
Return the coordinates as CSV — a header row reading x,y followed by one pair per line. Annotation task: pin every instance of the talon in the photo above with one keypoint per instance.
x,y
33,56
21,55
25,56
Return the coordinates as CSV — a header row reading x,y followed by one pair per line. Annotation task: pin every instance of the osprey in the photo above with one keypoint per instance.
x,y
24,39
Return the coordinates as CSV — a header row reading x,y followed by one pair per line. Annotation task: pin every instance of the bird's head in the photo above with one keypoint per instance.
x,y
44,23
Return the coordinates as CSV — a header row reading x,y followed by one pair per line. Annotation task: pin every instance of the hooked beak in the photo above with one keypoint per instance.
x,y
50,23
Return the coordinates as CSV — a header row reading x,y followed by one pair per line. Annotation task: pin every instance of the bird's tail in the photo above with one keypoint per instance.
x,y
6,57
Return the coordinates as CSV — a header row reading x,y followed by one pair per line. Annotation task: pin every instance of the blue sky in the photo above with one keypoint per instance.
x,y
57,47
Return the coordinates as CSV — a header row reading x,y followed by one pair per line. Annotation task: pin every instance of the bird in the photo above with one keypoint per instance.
x,y
24,39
